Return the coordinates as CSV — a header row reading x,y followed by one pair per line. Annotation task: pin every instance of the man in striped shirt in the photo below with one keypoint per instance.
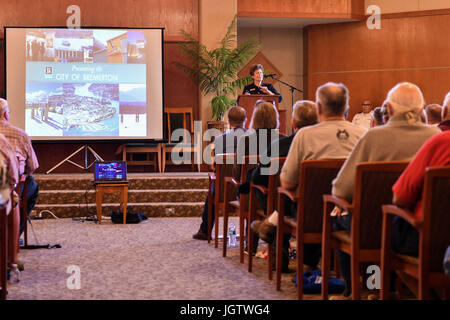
x,y
28,163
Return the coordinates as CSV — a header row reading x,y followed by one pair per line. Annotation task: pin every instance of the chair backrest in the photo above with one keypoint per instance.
x,y
316,177
373,188
274,183
248,163
436,217
177,118
225,164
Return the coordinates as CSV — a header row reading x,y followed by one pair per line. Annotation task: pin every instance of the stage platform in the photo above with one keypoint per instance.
x,y
172,194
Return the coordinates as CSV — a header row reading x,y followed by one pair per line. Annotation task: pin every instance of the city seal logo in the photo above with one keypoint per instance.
x,y
342,134
49,72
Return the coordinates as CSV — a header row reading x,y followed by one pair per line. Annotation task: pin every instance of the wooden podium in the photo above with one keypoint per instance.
x,y
247,101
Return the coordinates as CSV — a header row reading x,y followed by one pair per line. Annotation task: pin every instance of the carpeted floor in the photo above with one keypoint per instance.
x,y
156,259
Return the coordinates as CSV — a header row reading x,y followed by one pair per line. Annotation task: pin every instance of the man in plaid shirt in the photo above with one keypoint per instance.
x,y
9,159
28,163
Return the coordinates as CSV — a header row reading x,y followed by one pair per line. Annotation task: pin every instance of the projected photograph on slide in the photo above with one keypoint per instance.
x,y
72,109
59,45
133,119
86,84
118,46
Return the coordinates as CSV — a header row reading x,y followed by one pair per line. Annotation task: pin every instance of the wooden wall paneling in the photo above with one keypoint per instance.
x,y
376,85
298,9
371,62
400,43
173,15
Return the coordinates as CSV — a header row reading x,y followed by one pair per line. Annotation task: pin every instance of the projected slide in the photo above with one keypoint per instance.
x,y
86,83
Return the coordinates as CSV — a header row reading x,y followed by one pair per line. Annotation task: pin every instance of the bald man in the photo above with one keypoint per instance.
x,y
363,118
399,139
445,124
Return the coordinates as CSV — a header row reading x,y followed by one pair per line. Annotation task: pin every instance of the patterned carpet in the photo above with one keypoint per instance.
x,y
156,259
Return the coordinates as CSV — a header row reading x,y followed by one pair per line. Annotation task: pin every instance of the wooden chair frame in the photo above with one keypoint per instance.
x,y
195,149
130,149
3,252
298,227
238,206
352,247
270,192
222,162
419,268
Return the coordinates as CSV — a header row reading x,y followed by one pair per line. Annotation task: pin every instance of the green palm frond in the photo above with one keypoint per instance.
x,y
216,70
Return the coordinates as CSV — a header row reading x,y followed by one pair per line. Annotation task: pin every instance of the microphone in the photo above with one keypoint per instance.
x,y
270,75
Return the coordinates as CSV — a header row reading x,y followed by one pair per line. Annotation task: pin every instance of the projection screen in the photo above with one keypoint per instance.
x,y
85,84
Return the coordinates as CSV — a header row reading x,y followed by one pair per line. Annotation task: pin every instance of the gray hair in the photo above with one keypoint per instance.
x,y
304,113
3,107
446,100
334,98
406,97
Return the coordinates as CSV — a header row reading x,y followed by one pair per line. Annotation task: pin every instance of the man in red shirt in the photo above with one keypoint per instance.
x,y
408,190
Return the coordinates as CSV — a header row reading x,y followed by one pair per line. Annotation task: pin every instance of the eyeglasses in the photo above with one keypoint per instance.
x,y
366,105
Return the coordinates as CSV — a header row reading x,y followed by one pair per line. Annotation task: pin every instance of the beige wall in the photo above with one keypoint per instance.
x,y
391,6
214,18
284,48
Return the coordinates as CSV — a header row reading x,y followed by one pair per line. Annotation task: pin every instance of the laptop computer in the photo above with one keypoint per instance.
x,y
110,172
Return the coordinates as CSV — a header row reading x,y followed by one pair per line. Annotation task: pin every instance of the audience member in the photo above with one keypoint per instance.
x,y
377,118
384,112
225,143
434,114
408,190
28,162
12,178
304,114
263,131
399,139
445,124
363,118
333,137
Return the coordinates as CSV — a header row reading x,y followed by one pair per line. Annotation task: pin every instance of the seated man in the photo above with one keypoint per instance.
x,y
304,113
28,162
11,177
434,114
399,139
333,137
408,190
225,143
445,124
363,118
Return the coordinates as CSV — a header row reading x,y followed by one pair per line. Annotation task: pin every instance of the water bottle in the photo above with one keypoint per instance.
x,y
232,236
14,274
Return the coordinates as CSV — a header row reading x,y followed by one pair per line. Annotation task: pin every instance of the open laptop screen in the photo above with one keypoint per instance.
x,y
107,171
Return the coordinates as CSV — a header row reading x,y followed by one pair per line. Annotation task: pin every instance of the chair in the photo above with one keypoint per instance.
x,y
316,177
373,187
240,206
434,237
225,164
188,145
23,205
3,251
270,193
131,149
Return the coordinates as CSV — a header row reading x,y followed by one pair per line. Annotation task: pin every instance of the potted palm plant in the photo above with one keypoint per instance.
x,y
215,70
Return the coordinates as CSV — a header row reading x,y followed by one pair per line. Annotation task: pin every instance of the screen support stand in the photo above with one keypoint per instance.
x,y
86,166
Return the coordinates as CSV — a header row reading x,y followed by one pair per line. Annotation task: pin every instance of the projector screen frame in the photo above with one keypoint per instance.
x,y
99,139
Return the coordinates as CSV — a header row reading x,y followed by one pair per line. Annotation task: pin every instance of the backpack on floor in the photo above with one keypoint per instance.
x,y
132,217
312,283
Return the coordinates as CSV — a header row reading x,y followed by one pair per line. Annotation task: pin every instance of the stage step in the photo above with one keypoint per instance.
x,y
153,194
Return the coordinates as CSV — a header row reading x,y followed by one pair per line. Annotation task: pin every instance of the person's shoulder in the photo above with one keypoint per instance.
x,y
440,139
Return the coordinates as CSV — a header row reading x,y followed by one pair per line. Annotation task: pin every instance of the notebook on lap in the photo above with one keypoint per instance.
x,y
110,172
